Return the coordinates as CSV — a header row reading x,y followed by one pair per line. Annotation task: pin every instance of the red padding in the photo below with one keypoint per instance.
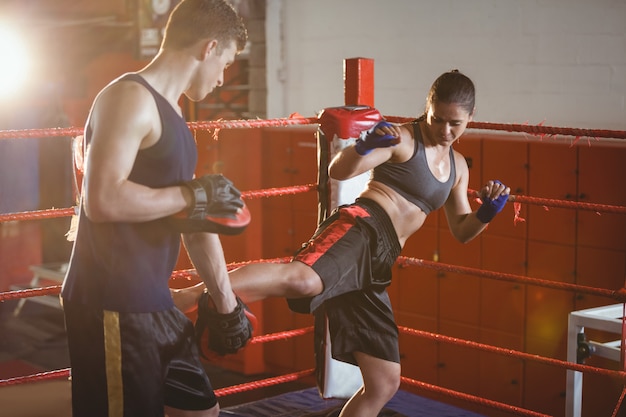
x,y
348,121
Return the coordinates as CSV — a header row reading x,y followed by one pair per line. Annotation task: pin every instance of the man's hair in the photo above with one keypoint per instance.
x,y
194,20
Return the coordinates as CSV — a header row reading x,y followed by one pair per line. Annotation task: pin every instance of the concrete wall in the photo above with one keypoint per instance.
x,y
558,61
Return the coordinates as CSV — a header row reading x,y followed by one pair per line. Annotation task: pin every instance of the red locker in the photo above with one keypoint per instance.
x,y
501,376
459,294
553,175
506,160
235,154
417,287
601,268
547,309
601,172
600,393
544,389
276,154
304,165
470,146
279,355
502,302
418,354
551,261
289,158
304,357
459,366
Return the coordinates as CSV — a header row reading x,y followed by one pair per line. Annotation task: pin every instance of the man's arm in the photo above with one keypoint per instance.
x,y
464,224
124,119
224,324
207,256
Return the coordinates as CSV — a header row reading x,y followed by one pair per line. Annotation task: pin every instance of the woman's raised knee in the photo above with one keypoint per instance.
x,y
303,281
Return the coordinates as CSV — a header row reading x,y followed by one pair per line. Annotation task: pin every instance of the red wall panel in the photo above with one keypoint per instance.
x,y
502,307
553,175
601,176
507,160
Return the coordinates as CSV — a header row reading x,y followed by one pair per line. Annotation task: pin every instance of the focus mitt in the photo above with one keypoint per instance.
x,y
222,333
217,208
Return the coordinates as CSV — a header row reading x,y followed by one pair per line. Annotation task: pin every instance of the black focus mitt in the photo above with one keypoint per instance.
x,y
217,208
222,333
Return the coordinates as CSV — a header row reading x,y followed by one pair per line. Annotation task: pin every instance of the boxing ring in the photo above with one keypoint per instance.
x,y
610,318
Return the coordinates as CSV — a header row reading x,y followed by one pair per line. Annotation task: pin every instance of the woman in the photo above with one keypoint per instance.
x,y
346,266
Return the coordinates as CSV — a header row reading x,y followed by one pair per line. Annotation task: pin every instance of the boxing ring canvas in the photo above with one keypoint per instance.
x,y
308,403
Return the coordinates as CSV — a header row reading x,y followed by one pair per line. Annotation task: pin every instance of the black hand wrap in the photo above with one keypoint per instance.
x,y
217,208
227,333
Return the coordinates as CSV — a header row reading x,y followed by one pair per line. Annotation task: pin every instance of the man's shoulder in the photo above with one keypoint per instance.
x,y
124,88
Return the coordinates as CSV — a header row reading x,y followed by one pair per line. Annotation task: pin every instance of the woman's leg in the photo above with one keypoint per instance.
x,y
381,380
255,282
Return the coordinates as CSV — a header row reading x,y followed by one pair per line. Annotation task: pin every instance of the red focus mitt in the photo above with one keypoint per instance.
x,y
217,208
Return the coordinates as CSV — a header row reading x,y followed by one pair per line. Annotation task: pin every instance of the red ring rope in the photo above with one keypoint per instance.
x,y
619,295
37,214
282,191
65,212
403,261
42,376
514,353
538,130
472,398
263,383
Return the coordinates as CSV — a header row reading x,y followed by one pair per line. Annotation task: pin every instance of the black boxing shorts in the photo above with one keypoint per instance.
x,y
134,363
352,250
358,321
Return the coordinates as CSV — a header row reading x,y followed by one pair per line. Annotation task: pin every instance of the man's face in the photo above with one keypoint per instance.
x,y
211,71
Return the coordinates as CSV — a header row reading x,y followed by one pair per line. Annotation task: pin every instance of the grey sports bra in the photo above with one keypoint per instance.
x,y
413,179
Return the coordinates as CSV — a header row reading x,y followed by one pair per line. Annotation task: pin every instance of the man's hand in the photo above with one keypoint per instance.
x,y
216,207
222,333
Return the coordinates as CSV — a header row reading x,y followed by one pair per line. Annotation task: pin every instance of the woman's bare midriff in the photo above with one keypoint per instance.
x,y
406,217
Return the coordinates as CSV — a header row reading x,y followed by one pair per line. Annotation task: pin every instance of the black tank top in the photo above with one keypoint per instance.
x,y
126,266
413,179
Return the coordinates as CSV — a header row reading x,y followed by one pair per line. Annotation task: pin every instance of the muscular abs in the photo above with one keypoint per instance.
x,y
406,217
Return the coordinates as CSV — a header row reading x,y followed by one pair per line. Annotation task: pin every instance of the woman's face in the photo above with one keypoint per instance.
x,y
447,121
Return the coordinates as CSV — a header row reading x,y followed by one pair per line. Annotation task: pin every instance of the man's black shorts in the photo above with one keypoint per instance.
x,y
134,363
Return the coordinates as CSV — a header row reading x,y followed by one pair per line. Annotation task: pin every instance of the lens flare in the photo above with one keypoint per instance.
x,y
15,64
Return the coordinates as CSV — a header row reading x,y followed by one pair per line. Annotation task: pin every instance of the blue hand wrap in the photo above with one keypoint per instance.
x,y
488,210
371,140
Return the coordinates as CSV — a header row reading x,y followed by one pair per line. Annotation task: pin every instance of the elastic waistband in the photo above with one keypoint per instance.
x,y
388,232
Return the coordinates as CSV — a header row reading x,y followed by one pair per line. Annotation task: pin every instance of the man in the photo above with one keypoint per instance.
x,y
132,352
